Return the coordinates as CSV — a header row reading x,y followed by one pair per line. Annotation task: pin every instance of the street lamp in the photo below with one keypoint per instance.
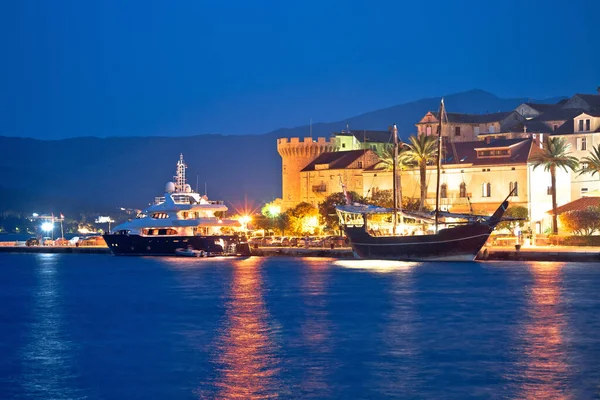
x,y
47,227
104,220
244,221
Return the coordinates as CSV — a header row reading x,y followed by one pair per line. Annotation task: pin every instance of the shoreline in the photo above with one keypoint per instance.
x,y
506,253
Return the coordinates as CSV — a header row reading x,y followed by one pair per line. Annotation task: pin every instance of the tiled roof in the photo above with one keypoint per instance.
x,y
497,143
579,204
558,114
532,126
476,118
336,159
592,99
594,113
466,152
543,107
566,127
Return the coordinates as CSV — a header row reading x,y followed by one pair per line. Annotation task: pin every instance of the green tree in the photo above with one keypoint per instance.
x,y
591,163
422,149
327,208
514,212
581,222
555,154
384,198
304,219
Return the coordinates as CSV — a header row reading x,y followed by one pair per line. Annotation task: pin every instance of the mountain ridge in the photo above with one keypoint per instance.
x,y
103,173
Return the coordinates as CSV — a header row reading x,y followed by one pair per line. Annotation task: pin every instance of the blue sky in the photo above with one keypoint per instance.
x,y
139,67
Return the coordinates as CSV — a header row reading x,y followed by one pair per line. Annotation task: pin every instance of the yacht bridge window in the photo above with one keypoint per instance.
x,y
160,215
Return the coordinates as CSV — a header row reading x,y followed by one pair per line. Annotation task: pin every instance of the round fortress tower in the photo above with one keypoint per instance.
x,y
295,155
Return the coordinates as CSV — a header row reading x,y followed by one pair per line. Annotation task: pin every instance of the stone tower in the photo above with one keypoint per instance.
x,y
295,155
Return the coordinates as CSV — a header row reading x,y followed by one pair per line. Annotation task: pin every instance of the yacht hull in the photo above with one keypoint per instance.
x,y
137,245
460,243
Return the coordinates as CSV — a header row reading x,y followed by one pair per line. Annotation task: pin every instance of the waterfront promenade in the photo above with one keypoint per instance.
x,y
526,253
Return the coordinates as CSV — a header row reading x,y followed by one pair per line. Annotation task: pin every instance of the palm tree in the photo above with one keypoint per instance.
x,y
591,163
421,150
555,153
386,163
386,158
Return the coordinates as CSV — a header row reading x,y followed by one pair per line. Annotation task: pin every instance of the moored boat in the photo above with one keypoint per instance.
x,y
437,235
181,219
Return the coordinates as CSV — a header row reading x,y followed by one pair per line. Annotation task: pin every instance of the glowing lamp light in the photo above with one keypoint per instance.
x,y
245,219
35,215
310,223
274,210
47,226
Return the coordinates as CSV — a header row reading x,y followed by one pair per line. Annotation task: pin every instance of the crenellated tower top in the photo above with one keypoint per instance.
x,y
296,153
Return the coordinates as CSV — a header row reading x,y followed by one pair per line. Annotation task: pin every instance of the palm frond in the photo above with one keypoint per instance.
x,y
591,163
555,154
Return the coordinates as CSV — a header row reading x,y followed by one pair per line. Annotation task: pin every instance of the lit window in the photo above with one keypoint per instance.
x,y
486,189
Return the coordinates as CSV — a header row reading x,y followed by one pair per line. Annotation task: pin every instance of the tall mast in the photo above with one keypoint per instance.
x,y
395,185
180,175
439,166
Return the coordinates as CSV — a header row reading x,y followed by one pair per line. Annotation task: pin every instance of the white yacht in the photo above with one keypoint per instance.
x,y
181,220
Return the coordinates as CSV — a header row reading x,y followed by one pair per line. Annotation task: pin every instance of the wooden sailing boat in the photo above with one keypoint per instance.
x,y
460,242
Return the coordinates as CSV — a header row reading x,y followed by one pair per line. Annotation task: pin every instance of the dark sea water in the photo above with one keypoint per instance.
x,y
104,327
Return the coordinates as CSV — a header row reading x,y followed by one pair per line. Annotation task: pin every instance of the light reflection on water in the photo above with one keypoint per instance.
x,y
316,331
544,351
247,363
382,266
394,374
48,357
298,328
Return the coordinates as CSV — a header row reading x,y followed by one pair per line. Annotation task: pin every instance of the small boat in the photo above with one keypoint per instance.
x,y
189,252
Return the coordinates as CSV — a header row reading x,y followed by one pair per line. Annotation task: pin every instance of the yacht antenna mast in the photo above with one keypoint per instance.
x,y
439,165
180,175
395,183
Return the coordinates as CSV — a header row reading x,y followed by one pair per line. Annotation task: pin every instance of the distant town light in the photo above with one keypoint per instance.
x,y
104,220
47,226
35,215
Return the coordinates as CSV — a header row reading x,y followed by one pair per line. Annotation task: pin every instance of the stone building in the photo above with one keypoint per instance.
x,y
468,127
324,176
362,140
478,175
485,156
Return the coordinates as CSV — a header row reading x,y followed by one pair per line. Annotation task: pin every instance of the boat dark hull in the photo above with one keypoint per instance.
x,y
460,243
136,245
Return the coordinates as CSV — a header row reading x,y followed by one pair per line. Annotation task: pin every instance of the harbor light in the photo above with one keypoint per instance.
x,y
47,226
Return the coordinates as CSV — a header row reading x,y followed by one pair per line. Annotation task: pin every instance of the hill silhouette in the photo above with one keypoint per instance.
x,y
97,174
